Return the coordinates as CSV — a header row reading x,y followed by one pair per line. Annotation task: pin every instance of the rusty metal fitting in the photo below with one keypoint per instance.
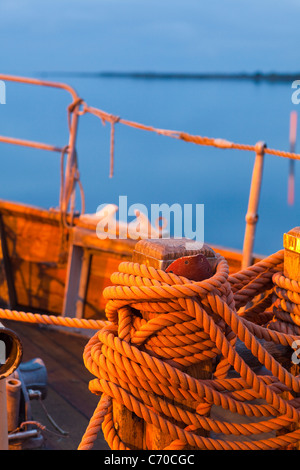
x,y
251,218
260,148
12,352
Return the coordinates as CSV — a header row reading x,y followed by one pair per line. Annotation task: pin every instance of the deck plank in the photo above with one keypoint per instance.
x,y
68,400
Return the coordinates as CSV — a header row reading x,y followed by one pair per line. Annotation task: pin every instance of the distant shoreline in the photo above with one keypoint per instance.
x,y
256,76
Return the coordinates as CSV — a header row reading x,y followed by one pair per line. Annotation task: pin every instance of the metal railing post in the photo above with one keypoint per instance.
x,y
71,164
252,216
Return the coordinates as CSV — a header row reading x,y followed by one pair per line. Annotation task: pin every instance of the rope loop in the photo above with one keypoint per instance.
x,y
162,326
286,303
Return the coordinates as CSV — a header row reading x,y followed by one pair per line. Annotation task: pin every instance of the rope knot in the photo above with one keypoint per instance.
x,y
161,326
163,313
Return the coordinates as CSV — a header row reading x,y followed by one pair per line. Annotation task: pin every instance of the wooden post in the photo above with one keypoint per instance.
x,y
291,243
77,277
160,254
252,216
73,279
129,427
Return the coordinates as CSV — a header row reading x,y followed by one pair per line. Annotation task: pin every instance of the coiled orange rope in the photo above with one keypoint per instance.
x,y
159,323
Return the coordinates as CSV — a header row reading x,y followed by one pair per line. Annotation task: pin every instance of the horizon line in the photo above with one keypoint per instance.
x,y
255,76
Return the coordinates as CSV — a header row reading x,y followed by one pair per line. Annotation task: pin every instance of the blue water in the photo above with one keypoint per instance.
x,y
155,169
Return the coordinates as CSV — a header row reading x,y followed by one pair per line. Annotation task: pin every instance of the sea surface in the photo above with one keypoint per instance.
x,y
155,169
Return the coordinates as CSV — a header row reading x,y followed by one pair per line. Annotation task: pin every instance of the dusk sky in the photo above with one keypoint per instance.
x,y
135,35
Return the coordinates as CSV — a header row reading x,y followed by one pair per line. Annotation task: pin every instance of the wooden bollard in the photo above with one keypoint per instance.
x,y
291,244
129,427
160,254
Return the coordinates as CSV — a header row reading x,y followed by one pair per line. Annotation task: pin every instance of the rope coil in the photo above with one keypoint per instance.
x,y
158,325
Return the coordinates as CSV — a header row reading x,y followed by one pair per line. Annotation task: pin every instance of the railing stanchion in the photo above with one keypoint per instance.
x,y
252,216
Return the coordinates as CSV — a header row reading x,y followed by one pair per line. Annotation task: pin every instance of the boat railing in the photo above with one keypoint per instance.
x,y
71,173
78,107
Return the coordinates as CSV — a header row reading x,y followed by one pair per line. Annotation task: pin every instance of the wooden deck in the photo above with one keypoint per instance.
x,y
69,401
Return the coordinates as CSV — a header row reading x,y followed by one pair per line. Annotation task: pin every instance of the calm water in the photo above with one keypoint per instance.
x,y
155,169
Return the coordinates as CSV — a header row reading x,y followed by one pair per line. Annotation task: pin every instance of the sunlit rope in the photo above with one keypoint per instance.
x,y
132,361
196,139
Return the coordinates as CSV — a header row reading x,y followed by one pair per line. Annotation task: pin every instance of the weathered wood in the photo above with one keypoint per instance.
x,y
87,238
34,245
102,266
160,254
37,249
69,400
83,283
61,351
39,286
73,280
38,246
85,245
291,243
129,427
8,275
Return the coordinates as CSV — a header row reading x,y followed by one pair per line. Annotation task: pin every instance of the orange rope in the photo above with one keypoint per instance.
x,y
141,362
196,139
38,318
